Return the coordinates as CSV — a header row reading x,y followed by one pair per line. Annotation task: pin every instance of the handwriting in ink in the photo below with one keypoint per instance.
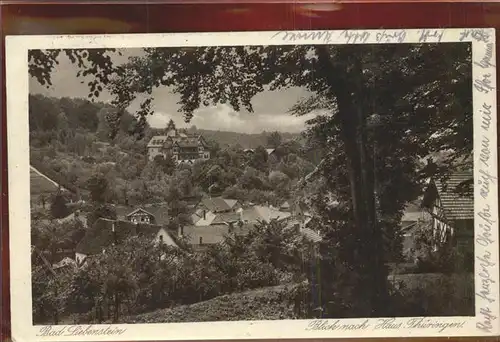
x,y
432,35
480,35
485,62
486,223
485,181
487,319
293,36
355,37
398,36
484,84
485,116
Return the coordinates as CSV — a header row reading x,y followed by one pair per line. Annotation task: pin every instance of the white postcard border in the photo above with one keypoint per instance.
x,y
485,175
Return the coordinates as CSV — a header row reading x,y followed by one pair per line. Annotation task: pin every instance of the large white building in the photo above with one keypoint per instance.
x,y
184,148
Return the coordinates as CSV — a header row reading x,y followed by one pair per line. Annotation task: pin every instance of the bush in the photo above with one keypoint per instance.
x,y
434,294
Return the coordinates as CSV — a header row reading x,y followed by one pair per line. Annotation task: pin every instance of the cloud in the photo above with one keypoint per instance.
x,y
224,118
270,107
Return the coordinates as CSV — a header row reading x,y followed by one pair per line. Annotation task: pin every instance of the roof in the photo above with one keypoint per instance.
x,y
218,204
285,205
456,204
212,234
40,183
182,139
139,210
158,210
199,220
262,213
414,213
270,150
226,218
100,234
311,235
157,141
187,141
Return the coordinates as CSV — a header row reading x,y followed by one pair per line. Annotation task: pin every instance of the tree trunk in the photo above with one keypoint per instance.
x,y
116,308
345,79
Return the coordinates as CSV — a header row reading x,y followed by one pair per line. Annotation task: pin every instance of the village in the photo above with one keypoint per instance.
x,y
298,211
213,218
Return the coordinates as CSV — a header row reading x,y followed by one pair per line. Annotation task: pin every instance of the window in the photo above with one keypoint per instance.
x,y
201,240
161,238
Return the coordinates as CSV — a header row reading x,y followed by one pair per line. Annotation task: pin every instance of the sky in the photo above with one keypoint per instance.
x,y
270,108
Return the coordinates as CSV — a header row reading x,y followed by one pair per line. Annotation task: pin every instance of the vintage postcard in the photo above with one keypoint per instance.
x,y
253,185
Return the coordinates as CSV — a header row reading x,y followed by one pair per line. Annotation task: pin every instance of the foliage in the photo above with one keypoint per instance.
x,y
98,187
434,257
58,206
372,136
98,211
274,140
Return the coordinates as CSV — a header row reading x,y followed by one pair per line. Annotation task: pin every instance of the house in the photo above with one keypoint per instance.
x,y
258,213
201,237
218,205
301,226
75,218
450,203
105,232
156,213
202,217
285,206
183,147
140,215
414,217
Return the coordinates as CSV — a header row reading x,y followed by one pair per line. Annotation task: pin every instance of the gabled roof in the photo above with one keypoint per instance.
x,y
101,234
225,218
200,220
157,141
262,213
158,210
213,234
41,184
270,150
138,211
456,204
187,142
218,204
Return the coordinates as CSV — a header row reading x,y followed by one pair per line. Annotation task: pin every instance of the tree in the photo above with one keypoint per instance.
x,y
259,159
100,211
170,126
98,187
274,140
58,206
352,83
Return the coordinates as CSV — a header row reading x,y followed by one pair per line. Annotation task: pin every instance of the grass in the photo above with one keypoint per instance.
x,y
260,304
435,293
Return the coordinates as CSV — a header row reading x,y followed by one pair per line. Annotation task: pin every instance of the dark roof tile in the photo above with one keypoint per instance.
x,y
457,205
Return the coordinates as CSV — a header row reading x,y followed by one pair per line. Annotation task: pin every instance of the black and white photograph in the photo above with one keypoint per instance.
x,y
292,180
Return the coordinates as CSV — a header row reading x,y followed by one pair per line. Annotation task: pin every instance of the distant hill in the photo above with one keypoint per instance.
x,y
245,140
